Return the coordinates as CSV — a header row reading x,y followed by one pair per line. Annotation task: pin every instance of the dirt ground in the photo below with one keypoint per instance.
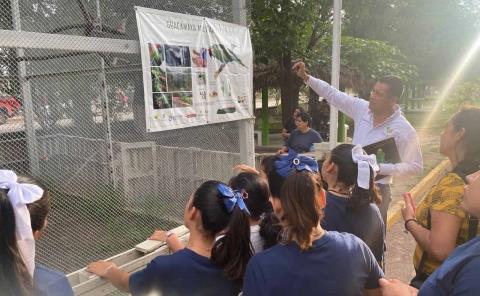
x,y
400,245
429,142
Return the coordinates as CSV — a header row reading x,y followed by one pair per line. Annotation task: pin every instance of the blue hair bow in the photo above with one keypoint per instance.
x,y
295,161
232,198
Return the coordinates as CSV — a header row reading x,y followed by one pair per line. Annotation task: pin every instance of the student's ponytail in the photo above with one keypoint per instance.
x,y
14,276
228,224
270,230
233,249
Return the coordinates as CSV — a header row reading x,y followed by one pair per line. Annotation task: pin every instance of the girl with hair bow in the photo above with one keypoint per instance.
x,y
307,259
274,170
255,193
214,259
24,206
352,198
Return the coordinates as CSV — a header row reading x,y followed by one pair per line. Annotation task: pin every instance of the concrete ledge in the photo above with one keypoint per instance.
x,y
419,191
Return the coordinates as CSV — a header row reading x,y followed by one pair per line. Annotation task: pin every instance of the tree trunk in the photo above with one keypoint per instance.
x,y
313,109
289,87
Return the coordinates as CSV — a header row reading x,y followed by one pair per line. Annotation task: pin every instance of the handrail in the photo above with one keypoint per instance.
x,y
88,284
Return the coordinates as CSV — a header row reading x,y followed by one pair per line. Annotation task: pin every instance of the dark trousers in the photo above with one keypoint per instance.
x,y
386,193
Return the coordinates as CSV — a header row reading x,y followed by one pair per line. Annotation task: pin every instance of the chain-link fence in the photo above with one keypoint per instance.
x,y
74,117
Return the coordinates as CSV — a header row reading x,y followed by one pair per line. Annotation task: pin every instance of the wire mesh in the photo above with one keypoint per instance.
x,y
111,183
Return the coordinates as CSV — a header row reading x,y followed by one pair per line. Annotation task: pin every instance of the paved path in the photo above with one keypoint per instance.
x,y
400,247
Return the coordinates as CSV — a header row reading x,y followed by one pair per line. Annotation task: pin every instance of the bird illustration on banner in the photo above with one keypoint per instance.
x,y
224,56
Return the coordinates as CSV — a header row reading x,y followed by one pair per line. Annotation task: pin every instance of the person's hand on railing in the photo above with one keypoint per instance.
x,y
160,235
109,271
101,268
168,237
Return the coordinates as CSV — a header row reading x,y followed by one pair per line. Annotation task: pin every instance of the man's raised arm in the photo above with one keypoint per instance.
x,y
351,106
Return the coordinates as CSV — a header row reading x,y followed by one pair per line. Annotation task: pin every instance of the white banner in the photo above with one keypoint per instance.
x,y
195,70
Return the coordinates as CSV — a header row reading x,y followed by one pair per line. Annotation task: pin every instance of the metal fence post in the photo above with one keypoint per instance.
x,y
106,106
337,22
247,146
27,97
107,122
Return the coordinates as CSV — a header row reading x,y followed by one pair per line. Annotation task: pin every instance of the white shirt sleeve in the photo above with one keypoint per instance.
x,y
351,106
411,155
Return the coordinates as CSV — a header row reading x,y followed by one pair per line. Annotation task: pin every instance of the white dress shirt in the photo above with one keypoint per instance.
x,y
365,133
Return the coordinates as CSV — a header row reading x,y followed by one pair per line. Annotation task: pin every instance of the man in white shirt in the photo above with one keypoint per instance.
x,y
375,120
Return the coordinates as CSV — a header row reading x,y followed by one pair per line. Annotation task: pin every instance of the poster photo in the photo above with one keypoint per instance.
x,y
196,70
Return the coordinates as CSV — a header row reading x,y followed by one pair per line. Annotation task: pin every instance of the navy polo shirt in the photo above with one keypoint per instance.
x,y
365,222
182,273
337,264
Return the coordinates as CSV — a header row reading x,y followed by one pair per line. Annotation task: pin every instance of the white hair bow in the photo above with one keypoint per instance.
x,y
19,196
364,162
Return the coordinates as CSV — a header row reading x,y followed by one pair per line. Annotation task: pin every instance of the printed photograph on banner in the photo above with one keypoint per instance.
x,y
242,99
159,79
156,54
162,101
222,57
199,57
179,79
177,56
182,99
226,107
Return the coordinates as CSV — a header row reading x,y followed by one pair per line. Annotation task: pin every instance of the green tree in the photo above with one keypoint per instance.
x,y
468,93
362,61
433,34
284,30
